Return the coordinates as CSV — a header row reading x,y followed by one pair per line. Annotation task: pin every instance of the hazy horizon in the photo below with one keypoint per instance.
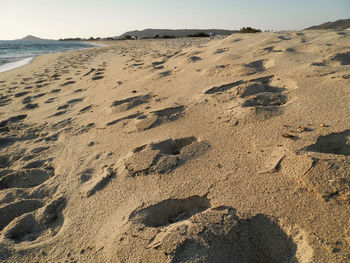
x,y
108,18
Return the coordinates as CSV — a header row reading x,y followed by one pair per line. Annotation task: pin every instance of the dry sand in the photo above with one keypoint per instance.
x,y
184,150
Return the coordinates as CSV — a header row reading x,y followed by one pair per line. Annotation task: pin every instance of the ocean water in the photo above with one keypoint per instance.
x,y
15,54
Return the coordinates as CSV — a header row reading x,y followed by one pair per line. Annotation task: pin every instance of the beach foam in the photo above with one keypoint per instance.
x,y
16,64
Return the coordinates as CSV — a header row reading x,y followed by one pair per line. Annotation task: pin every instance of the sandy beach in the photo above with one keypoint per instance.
x,y
232,149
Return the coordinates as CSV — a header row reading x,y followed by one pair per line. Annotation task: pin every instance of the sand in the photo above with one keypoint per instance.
x,y
229,149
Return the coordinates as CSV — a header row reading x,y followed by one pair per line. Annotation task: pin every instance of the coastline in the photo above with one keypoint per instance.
x,y
17,64
27,60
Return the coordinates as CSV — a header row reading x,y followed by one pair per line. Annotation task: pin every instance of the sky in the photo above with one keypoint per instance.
x,y
53,19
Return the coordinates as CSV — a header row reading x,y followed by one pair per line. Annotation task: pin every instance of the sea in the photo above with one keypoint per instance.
x,y
17,53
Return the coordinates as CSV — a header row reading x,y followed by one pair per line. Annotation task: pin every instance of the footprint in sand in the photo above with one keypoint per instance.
x,y
56,76
266,99
162,157
284,37
13,119
157,118
272,49
39,81
257,86
30,226
261,65
62,107
89,72
50,100
67,83
4,161
59,113
97,183
152,119
158,67
227,70
83,129
27,99
343,58
327,178
74,101
21,94
24,179
85,109
165,73
193,59
157,63
39,149
7,141
264,94
334,143
16,209
4,100
133,116
98,74
55,90
31,106
97,77
129,103
24,213
220,50
86,174
137,64
191,228
49,138
39,95
319,64
171,211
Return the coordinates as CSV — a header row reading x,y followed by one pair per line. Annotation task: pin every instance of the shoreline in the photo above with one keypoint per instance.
x,y
27,60
16,64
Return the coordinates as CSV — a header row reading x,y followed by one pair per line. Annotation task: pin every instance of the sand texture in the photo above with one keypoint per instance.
x,y
231,149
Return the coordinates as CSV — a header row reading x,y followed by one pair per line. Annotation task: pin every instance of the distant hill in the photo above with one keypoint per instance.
x,y
33,38
175,32
339,24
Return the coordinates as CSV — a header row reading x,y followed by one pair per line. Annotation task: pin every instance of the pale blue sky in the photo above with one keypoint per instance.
x,y
103,18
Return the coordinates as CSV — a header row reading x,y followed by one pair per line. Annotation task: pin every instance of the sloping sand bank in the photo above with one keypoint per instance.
x,y
183,150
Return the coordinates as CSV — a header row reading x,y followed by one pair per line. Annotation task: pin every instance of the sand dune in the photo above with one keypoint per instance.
x,y
232,149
